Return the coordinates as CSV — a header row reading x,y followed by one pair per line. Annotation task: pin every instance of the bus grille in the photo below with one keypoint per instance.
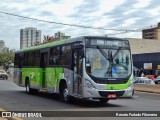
x,y
105,93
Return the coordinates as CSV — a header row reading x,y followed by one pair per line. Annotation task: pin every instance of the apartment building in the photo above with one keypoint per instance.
x,y
152,33
29,36
61,36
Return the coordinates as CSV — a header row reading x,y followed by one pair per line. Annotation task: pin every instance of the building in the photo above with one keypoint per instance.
x,y
2,44
146,55
61,36
29,36
152,33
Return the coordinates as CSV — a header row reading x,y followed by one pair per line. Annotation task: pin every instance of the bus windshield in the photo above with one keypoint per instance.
x,y
108,63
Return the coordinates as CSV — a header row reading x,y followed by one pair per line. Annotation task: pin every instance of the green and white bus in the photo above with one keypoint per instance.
x,y
87,67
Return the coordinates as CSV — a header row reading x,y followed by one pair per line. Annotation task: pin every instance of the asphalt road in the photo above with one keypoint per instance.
x,y
14,98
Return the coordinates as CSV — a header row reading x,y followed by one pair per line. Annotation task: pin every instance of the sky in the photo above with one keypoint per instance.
x,y
118,17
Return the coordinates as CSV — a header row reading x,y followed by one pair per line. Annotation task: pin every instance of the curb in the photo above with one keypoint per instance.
x,y
147,91
147,88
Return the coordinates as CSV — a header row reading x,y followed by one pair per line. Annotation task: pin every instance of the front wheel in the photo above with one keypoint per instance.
x,y
64,95
103,100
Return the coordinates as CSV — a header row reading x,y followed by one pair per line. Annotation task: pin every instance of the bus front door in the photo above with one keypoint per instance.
x,y
44,61
77,75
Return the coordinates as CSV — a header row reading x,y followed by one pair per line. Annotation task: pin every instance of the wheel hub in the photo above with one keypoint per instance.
x,y
65,94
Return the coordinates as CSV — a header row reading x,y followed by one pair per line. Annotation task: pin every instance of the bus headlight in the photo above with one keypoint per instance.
x,y
89,84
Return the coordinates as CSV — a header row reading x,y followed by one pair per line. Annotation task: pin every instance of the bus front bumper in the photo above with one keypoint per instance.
x,y
95,93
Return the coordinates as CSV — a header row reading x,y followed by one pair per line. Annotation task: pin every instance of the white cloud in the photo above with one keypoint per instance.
x,y
117,14
142,4
61,9
109,5
154,11
130,11
129,22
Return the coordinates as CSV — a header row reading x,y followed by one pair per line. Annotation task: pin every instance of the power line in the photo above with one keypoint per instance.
x,y
74,25
118,33
82,26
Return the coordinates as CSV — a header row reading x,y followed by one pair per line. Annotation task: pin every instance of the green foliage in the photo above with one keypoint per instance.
x,y
6,57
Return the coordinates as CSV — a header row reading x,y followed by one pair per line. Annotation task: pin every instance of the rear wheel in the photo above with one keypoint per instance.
x,y
103,100
27,87
30,90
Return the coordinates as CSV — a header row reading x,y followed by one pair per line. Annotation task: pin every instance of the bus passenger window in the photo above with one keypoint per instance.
x,y
54,56
65,55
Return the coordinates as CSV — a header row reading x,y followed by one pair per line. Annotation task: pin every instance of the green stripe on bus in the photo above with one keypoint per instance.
x,y
44,45
118,86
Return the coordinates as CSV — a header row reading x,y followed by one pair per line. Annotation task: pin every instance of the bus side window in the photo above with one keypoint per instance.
x,y
37,58
30,58
65,55
54,56
25,63
16,59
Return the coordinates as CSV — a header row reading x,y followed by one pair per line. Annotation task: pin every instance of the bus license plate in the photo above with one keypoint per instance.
x,y
111,96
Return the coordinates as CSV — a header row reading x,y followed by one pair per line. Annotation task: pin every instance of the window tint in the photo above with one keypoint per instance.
x,y
16,60
65,55
25,60
30,58
54,56
37,58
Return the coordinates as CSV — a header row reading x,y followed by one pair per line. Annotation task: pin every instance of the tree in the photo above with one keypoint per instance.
x,y
6,57
46,39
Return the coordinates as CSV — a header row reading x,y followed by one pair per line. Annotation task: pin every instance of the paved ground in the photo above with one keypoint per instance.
x,y
14,98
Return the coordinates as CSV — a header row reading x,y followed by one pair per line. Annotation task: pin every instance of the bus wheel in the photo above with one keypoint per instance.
x,y
28,89
103,100
64,96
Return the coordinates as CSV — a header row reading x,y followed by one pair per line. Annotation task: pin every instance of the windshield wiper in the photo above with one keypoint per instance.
x,y
103,53
109,58
116,53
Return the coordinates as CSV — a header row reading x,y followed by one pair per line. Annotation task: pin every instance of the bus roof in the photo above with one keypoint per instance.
x,y
63,42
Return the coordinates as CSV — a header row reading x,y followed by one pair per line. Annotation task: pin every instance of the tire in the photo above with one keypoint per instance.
x,y
64,96
28,89
103,100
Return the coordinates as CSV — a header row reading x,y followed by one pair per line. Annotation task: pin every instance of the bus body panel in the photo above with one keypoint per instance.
x,y
77,85
118,86
16,78
50,79
34,76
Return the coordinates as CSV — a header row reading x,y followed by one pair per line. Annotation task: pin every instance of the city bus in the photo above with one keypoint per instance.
x,y
87,67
